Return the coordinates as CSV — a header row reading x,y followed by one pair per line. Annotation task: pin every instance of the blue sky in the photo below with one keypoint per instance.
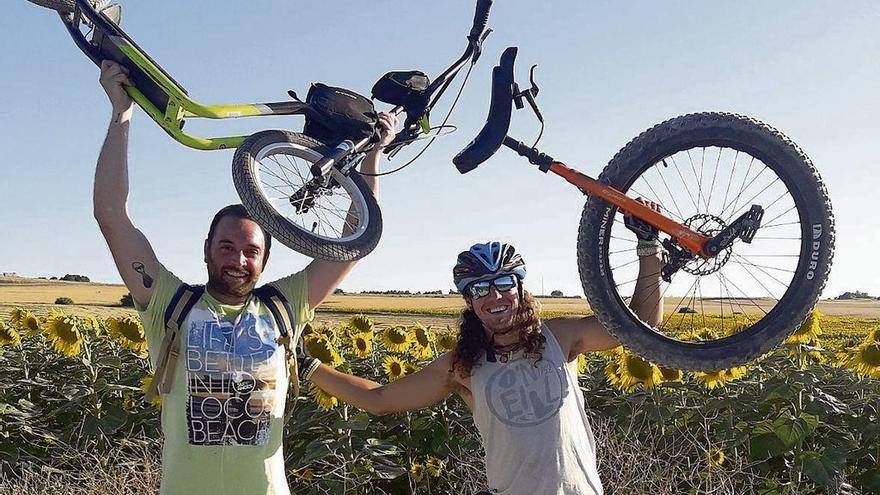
x,y
607,71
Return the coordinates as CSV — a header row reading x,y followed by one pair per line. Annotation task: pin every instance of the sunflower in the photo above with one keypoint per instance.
x,y
447,341
360,324
91,323
394,367
325,401
29,324
612,372
808,331
736,373
699,334
396,339
409,368
145,385
582,364
873,336
9,335
327,332
865,360
362,344
128,330
63,332
720,378
417,471
634,370
670,374
421,343
434,466
612,353
319,346
714,457
16,315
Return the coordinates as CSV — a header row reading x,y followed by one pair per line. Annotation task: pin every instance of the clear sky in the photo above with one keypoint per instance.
x,y
607,71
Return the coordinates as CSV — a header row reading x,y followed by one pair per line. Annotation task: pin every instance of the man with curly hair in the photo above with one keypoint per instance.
x,y
517,374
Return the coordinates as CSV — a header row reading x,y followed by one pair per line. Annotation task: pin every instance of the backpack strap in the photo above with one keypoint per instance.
x,y
284,317
175,314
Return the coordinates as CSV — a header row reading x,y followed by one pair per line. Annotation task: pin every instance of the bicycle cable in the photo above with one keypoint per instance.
x,y
441,126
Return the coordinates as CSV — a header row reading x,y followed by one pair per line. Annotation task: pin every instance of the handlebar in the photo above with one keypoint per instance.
x,y
434,90
481,17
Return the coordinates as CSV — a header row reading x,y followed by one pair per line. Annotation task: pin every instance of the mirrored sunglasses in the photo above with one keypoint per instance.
x,y
504,283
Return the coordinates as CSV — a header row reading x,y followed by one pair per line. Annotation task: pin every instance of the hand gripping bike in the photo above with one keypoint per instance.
x,y
301,187
745,228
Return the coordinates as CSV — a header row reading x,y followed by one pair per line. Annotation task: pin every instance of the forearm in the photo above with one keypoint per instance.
x,y
111,172
353,390
647,300
370,167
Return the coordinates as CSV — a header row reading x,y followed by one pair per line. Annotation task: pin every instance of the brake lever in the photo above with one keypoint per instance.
x,y
478,45
528,94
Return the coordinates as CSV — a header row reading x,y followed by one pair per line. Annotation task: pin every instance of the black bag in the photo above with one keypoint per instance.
x,y
404,88
337,114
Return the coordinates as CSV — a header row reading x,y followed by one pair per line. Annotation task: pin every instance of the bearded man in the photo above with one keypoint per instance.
x,y
223,407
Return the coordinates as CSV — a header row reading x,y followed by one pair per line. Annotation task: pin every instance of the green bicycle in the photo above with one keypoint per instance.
x,y
301,187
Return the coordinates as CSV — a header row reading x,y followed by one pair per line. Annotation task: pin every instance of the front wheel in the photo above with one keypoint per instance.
x,y
705,170
334,220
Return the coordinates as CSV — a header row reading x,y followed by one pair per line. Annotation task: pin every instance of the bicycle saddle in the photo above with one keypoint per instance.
x,y
494,131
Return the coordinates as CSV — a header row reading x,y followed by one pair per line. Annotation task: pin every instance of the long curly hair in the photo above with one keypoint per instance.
x,y
472,341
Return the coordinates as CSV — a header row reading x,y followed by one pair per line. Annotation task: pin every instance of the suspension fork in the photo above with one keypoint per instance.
x,y
693,241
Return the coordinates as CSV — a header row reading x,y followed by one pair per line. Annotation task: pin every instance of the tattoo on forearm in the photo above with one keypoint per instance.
x,y
139,267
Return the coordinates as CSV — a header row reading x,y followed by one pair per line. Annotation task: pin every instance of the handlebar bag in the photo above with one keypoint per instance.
x,y
338,114
401,87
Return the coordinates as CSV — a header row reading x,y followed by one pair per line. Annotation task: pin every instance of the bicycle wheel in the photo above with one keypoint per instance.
x,y
271,172
705,170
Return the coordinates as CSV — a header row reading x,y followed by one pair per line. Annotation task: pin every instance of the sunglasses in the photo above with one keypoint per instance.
x,y
504,283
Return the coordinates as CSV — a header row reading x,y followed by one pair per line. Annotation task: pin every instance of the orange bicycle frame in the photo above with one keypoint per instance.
x,y
692,241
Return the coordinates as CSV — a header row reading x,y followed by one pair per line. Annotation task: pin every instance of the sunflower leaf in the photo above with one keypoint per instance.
x,y
115,419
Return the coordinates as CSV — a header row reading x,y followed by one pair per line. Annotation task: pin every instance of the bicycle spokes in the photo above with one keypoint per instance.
x,y
752,230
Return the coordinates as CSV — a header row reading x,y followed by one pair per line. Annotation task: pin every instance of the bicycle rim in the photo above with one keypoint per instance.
x,y
282,169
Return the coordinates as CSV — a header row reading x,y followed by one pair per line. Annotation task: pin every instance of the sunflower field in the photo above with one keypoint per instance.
x,y
801,420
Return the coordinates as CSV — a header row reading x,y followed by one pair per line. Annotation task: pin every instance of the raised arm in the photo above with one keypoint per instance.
x,y
422,389
134,257
325,276
580,335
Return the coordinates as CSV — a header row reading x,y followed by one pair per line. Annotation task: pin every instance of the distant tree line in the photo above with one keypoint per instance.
x,y
855,295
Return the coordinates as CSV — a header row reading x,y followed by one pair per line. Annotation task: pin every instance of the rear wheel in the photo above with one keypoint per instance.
x,y
705,170
337,220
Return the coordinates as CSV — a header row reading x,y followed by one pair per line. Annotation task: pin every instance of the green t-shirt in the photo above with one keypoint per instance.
x,y
223,418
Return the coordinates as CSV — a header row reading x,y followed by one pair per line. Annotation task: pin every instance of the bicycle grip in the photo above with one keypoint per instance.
x,y
481,17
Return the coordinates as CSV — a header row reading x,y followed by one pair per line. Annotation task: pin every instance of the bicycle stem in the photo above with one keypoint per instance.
x,y
693,241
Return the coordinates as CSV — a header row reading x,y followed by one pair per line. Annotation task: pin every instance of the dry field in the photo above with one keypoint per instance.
x,y
103,300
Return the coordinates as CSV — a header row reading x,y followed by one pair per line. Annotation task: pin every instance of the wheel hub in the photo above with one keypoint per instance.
x,y
708,225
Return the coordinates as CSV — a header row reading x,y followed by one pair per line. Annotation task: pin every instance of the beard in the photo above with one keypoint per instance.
x,y
220,283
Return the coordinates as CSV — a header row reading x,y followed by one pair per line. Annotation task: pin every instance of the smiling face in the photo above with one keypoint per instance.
x,y
235,259
497,310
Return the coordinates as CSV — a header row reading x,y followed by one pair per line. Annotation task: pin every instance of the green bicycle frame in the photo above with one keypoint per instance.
x,y
162,98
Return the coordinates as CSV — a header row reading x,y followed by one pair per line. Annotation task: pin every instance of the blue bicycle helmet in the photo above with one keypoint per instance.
x,y
485,261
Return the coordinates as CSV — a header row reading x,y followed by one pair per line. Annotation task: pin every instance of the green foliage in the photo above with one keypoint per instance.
x,y
799,427
64,300
127,301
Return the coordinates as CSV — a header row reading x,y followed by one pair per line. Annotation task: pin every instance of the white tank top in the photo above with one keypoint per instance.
x,y
535,431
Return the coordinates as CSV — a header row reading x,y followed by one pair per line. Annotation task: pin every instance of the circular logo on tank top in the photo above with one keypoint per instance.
x,y
526,393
